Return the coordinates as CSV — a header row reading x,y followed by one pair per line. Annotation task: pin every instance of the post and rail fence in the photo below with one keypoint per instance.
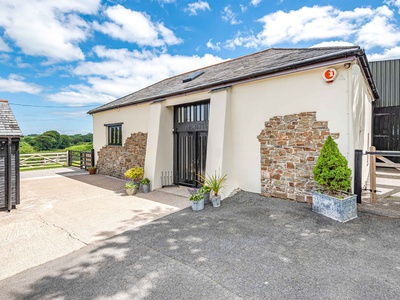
x,y
34,161
373,164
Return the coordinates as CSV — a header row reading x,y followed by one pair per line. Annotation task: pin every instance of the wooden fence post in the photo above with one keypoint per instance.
x,y
92,157
69,158
372,174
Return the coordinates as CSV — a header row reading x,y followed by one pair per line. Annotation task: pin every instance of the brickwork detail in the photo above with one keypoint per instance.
x,y
290,146
115,160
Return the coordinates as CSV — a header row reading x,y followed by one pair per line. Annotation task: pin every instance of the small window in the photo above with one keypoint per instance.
x,y
114,132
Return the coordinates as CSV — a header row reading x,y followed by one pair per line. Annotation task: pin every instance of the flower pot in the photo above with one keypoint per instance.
x,y
341,210
198,205
145,188
216,201
131,191
92,171
206,198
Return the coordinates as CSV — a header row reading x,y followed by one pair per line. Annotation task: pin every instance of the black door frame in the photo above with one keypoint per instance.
x,y
191,126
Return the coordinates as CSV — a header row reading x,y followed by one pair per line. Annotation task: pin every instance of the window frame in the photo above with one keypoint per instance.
x,y
114,134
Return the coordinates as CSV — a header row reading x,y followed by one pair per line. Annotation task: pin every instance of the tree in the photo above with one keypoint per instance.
x,y
45,142
331,171
25,148
65,141
56,136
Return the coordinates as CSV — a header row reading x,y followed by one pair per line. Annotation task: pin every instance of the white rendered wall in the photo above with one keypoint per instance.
x,y
159,150
361,116
134,118
238,114
254,103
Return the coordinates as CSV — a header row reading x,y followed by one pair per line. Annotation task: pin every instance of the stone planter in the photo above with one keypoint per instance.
x,y
131,191
216,201
145,188
341,210
198,205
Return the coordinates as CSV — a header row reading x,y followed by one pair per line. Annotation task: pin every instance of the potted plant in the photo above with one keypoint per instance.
x,y
333,176
196,197
145,185
215,183
92,170
205,190
135,174
131,188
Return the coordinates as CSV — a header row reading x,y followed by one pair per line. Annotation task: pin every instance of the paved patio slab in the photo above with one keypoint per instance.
x,y
251,247
61,212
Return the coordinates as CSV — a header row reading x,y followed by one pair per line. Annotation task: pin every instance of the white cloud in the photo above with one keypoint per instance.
x,y
52,29
392,53
255,2
362,25
122,72
243,8
378,32
135,27
194,7
332,44
16,84
229,16
393,2
216,47
3,46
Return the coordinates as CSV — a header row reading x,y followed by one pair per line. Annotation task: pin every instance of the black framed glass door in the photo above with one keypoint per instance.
x,y
190,142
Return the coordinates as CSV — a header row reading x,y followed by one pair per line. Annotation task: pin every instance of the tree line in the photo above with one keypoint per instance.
x,y
53,140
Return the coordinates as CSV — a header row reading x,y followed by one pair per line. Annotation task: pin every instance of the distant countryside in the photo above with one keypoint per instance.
x,y
54,141
49,149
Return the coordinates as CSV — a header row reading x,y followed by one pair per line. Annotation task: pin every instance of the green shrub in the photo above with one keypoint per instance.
x,y
331,171
136,173
25,148
145,181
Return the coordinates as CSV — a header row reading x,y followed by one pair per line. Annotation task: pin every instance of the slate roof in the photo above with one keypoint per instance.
x,y
8,124
228,72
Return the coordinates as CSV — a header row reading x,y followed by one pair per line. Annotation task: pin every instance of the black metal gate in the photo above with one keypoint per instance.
x,y
190,142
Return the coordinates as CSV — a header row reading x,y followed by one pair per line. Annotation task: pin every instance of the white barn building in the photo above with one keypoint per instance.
x,y
261,119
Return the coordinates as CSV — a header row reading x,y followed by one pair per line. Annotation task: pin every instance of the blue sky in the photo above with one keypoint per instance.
x,y
61,58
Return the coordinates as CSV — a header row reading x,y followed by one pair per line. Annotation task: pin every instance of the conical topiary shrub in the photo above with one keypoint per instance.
x,y
331,171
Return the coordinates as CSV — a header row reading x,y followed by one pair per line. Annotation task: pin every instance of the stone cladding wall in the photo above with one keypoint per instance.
x,y
115,160
290,146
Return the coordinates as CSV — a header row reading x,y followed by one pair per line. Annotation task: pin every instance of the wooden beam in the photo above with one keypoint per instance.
x,y
387,161
372,174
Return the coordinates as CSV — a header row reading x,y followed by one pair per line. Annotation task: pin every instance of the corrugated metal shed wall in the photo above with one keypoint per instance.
x,y
387,79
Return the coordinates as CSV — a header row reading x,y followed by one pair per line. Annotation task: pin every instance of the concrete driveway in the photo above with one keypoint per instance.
x,y
65,209
251,247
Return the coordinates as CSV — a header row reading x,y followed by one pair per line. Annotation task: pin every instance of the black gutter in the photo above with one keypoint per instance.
x,y
367,71
345,53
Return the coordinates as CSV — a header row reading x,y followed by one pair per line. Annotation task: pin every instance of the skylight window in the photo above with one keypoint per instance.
x,y
192,76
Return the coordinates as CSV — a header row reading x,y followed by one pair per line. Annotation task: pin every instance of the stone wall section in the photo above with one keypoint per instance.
x,y
290,146
115,160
